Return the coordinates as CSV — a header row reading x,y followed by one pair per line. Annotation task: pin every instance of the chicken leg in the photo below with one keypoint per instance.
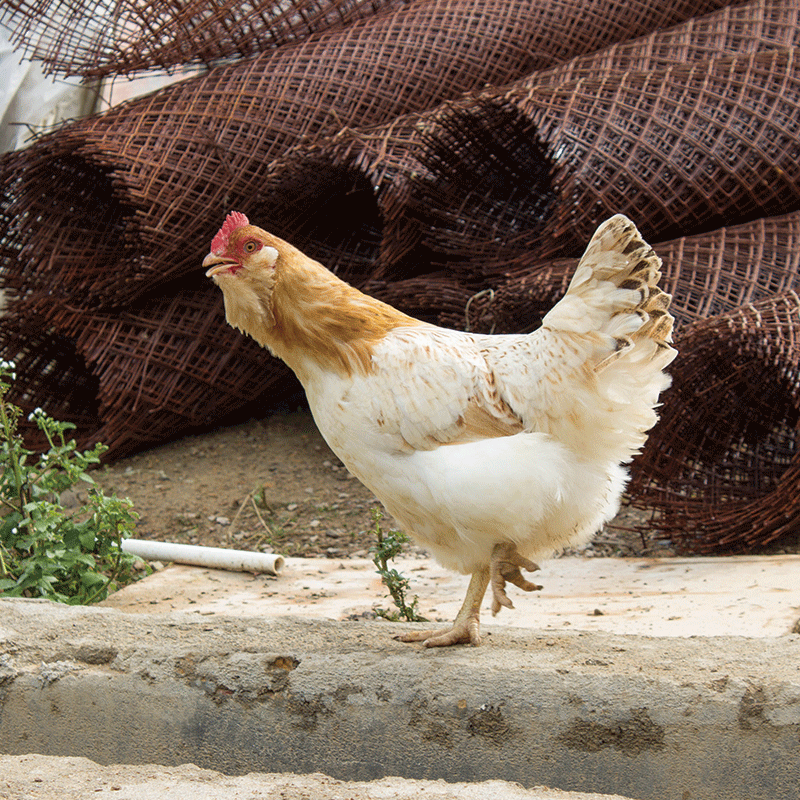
x,y
466,626
504,566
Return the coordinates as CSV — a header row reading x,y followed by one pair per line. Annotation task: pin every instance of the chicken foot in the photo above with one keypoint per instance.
x,y
504,567
466,626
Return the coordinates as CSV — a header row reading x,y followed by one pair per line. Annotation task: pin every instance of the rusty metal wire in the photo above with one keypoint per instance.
x,y
717,272
682,150
355,142
707,274
134,377
140,186
94,39
686,129
726,471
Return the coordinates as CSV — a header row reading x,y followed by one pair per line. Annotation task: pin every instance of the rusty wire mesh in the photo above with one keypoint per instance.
x,y
726,473
94,39
138,376
686,129
682,150
707,274
138,187
76,37
462,214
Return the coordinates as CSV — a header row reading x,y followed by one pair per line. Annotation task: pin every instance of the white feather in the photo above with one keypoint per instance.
x,y
471,440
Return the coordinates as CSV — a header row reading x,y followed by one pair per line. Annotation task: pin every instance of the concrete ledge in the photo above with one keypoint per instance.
x,y
593,712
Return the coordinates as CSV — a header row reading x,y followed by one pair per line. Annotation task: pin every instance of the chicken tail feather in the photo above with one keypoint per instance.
x,y
615,292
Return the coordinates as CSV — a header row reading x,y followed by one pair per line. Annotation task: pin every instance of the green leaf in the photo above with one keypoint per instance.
x,y
91,580
87,539
72,538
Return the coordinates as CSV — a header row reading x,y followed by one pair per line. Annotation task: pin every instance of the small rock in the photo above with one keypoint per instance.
x,y
68,499
291,507
314,523
222,521
51,672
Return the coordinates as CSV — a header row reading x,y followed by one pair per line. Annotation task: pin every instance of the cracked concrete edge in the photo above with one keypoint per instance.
x,y
663,718
65,778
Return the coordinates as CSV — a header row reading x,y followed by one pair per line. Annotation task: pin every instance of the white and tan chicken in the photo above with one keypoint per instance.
x,y
490,451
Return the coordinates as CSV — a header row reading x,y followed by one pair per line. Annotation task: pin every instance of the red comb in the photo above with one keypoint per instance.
x,y
233,221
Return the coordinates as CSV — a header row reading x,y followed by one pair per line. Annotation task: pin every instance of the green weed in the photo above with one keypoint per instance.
x,y
389,546
72,556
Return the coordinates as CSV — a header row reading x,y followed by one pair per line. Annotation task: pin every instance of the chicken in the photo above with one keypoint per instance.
x,y
489,450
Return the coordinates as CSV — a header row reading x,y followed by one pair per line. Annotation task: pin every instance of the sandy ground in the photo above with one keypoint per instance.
x,y
51,778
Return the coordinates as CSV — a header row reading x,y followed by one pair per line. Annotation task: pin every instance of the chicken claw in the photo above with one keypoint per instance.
x,y
505,565
466,626
465,632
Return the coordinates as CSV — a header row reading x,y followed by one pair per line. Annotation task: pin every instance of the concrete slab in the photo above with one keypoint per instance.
x,y
642,717
753,596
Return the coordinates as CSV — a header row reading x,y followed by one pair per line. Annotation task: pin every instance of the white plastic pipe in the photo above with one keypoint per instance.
x,y
216,557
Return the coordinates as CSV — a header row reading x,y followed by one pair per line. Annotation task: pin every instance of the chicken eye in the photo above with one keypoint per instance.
x,y
250,247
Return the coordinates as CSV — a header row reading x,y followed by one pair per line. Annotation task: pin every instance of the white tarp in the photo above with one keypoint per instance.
x,y
30,102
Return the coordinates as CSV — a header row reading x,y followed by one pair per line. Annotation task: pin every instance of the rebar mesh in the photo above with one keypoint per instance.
x,y
93,39
725,473
96,39
160,171
350,135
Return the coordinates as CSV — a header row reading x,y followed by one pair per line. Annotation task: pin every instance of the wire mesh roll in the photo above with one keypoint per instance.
x,y
724,469
98,39
471,185
91,39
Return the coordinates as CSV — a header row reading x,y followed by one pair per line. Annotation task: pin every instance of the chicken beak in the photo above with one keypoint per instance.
x,y
215,264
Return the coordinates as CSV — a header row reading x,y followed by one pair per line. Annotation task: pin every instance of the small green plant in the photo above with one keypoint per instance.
x,y
73,556
389,546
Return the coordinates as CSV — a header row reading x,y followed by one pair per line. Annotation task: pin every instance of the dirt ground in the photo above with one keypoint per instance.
x,y
272,485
